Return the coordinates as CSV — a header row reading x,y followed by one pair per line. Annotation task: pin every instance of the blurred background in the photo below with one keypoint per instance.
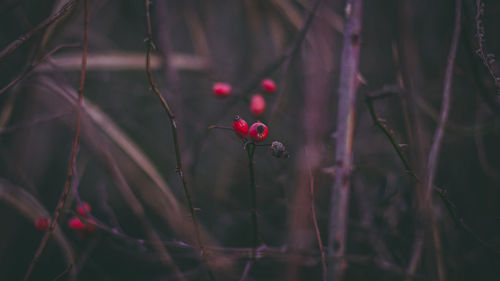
x,y
126,168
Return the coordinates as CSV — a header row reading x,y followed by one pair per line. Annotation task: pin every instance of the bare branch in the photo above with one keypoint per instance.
x,y
348,85
46,22
67,185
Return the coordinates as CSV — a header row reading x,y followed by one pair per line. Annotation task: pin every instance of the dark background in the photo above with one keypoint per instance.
x,y
404,45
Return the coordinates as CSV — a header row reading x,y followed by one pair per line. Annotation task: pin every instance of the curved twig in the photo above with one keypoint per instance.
x,y
173,124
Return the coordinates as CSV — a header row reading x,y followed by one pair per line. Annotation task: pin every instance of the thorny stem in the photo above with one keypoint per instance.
x,y
69,178
250,147
171,117
442,193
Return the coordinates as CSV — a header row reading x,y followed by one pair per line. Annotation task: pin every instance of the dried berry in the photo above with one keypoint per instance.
x,y
278,150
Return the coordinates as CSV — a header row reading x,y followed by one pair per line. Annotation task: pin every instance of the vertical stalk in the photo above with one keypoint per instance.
x,y
348,85
253,190
69,178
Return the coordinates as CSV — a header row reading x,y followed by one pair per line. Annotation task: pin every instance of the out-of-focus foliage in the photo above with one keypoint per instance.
x,y
126,134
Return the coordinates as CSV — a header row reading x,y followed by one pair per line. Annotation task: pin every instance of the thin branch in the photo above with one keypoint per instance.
x,y
315,220
175,137
446,103
289,54
438,137
61,275
46,22
246,271
31,67
348,85
442,193
263,252
67,185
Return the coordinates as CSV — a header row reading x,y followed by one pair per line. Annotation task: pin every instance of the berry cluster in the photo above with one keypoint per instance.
x,y
258,132
257,101
76,224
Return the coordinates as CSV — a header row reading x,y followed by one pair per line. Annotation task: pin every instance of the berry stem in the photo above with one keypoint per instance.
x,y
250,147
219,127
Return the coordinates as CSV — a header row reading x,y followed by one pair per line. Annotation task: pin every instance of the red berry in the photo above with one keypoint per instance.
x,y
240,127
83,209
268,85
258,131
257,105
42,224
76,224
222,89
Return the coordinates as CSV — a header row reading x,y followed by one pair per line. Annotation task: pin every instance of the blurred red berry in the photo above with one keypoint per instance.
x,y
83,209
42,224
257,105
222,89
268,85
76,224
240,126
258,131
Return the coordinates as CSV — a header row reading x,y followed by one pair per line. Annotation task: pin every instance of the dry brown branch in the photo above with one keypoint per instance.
x,y
67,185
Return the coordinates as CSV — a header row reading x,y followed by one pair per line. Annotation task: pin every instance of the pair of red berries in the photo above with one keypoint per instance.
x,y
257,102
258,131
78,225
222,89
